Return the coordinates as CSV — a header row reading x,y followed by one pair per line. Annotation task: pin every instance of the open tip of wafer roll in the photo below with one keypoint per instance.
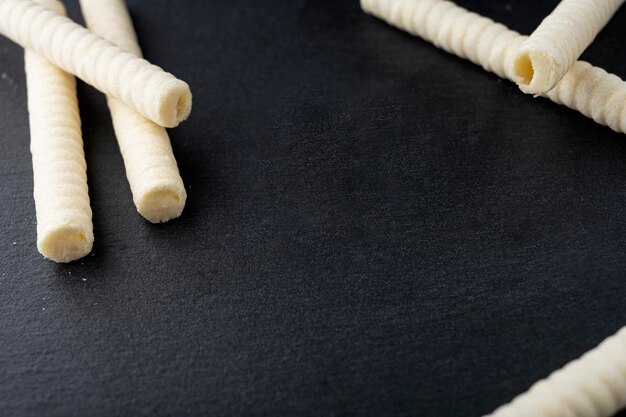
x,y
534,72
176,105
162,202
65,243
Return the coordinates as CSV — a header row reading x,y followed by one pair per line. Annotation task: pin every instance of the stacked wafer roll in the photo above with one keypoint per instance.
x,y
158,190
149,90
143,100
553,48
595,384
585,88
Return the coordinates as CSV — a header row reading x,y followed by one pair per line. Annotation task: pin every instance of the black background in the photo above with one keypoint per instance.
x,y
374,227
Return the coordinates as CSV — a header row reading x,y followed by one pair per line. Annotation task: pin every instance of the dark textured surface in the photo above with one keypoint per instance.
x,y
374,227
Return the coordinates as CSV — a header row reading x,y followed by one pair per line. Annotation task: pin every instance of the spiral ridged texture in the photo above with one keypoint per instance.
x,y
549,53
451,28
592,386
587,89
595,93
64,226
146,88
111,20
158,190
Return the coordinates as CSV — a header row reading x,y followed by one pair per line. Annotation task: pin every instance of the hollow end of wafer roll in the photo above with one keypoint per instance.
x,y
534,72
162,202
176,104
65,243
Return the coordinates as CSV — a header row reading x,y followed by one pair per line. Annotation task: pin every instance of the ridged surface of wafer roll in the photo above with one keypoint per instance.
x,y
585,88
595,93
158,190
111,20
64,225
451,28
148,89
551,50
592,386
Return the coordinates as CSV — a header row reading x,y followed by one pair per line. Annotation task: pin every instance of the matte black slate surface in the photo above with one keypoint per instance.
x,y
374,228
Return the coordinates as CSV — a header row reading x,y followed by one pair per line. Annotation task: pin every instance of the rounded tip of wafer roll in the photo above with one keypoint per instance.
x,y
534,72
176,105
162,202
65,243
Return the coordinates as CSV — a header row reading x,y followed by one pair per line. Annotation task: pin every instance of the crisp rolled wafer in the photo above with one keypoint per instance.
x,y
158,190
595,93
452,29
64,226
551,50
146,88
592,386
585,88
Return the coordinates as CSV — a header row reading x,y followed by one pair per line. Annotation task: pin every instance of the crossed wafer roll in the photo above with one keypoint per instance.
x,y
158,190
595,384
585,88
152,92
551,50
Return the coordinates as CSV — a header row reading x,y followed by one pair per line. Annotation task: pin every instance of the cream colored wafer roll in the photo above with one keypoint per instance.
x,y
549,53
158,191
64,226
146,88
592,386
587,89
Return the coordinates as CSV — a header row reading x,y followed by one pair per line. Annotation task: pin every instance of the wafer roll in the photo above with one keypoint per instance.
x,y
149,90
64,226
585,88
158,190
592,386
553,48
